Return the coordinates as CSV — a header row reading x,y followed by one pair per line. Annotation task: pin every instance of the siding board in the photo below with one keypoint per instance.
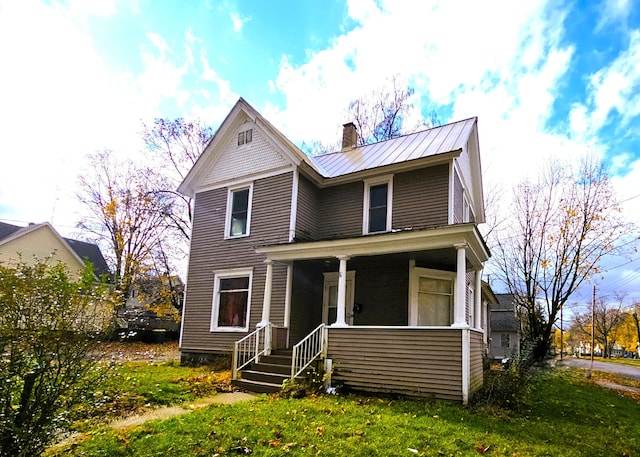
x,y
476,378
420,198
271,209
416,362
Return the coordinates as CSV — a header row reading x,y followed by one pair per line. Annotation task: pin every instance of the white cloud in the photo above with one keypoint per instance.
x,y
60,102
238,21
614,12
506,72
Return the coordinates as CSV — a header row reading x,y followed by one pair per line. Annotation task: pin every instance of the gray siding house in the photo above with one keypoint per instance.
x,y
505,328
369,257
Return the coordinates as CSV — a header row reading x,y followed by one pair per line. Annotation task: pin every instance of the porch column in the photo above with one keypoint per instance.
x,y
342,293
459,308
266,302
478,300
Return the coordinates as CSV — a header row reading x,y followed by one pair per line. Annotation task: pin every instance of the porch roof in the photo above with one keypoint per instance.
x,y
451,236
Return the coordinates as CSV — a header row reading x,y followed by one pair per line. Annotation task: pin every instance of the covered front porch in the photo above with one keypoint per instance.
x,y
400,312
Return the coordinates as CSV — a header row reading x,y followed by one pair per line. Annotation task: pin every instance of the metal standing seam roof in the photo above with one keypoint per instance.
x,y
438,140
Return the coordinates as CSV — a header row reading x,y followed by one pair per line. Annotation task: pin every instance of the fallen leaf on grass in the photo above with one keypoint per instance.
x,y
482,449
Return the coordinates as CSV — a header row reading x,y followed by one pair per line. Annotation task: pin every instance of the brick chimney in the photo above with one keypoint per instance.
x,y
349,136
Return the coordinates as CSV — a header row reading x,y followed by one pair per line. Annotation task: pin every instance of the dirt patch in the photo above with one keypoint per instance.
x,y
138,352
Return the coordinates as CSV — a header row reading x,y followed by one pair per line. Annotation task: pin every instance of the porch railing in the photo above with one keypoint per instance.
x,y
309,349
250,348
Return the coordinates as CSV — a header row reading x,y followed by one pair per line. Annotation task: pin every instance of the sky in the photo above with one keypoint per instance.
x,y
545,78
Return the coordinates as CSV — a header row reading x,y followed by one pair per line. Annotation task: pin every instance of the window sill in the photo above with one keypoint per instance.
x,y
229,329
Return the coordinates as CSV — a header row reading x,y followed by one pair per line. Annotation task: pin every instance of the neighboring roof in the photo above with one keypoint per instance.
x,y
504,321
506,302
503,315
438,140
90,252
83,250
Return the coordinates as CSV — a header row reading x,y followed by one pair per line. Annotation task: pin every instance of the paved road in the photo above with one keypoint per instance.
x,y
624,370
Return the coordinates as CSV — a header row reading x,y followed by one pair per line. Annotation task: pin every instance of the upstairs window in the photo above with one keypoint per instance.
x,y
238,211
245,137
377,205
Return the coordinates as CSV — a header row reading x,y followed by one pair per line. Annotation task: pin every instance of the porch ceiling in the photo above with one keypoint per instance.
x,y
466,235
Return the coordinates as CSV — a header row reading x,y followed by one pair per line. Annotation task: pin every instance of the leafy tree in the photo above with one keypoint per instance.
x,y
561,227
48,327
127,213
608,316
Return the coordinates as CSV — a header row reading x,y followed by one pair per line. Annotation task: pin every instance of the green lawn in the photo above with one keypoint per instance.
x,y
567,415
134,387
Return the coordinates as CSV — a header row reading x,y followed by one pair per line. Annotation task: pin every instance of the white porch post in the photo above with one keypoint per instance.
x,y
478,299
266,302
459,308
342,293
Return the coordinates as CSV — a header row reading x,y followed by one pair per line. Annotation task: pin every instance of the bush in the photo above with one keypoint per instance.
x,y
49,324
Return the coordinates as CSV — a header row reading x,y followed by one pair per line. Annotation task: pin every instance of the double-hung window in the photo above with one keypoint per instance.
x,y
238,211
378,195
231,300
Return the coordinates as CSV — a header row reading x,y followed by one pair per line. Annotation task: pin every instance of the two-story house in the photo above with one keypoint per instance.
x,y
369,257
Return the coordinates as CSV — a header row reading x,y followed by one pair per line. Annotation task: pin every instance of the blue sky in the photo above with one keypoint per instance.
x,y
546,79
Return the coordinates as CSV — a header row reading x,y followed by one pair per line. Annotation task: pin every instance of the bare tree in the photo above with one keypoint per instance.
x,y
126,213
382,115
608,317
562,226
177,144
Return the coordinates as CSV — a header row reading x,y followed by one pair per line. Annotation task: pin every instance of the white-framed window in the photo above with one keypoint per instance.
x,y
245,137
378,196
431,297
471,305
238,218
231,300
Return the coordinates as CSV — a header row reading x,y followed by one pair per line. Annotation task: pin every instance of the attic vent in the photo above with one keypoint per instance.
x,y
245,137
349,136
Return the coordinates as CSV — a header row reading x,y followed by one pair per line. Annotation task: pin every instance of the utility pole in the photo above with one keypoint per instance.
x,y
593,324
561,333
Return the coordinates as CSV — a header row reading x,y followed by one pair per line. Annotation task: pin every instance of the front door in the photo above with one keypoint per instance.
x,y
330,298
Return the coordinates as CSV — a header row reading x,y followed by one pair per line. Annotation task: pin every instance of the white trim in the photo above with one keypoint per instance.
x,y
411,311
225,274
368,183
227,222
466,364
385,243
415,273
451,206
294,205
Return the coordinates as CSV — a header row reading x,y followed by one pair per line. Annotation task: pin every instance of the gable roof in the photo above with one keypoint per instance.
x,y
80,249
436,145
426,143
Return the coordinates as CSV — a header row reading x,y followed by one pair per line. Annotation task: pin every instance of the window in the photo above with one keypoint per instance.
x,y
231,298
377,205
238,211
505,341
245,137
435,301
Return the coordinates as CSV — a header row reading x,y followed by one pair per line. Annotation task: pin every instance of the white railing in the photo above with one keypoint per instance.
x,y
250,348
307,350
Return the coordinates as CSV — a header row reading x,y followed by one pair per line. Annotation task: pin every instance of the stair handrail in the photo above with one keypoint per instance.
x,y
248,349
308,349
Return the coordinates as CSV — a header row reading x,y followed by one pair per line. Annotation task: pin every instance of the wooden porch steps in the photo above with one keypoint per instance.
x,y
268,375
